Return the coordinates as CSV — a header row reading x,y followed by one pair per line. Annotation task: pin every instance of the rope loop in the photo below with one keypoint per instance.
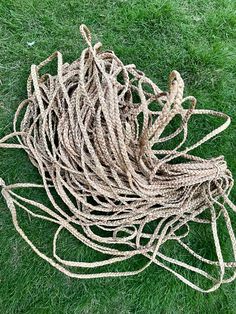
x,y
85,32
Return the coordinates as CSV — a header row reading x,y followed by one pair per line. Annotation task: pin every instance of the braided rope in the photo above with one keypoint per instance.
x,y
96,145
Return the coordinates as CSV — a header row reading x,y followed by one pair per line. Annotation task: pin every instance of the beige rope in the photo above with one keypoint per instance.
x,y
95,140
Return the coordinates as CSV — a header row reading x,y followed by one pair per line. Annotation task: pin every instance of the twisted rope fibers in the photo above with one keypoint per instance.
x,y
93,136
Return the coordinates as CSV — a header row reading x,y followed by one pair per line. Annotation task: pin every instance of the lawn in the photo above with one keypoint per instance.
x,y
197,38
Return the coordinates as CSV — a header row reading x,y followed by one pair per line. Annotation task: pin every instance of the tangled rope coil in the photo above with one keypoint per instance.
x,y
91,132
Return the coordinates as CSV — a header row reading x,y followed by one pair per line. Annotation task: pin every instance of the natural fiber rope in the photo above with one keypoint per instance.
x,y
81,129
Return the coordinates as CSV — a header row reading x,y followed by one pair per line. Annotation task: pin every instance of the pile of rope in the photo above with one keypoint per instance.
x,y
96,140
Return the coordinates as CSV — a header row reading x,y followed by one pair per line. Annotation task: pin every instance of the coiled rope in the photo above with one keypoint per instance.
x,y
94,138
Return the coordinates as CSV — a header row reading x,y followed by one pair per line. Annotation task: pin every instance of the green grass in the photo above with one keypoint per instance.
x,y
197,38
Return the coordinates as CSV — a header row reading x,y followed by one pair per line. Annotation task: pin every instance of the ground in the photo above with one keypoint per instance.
x,y
197,38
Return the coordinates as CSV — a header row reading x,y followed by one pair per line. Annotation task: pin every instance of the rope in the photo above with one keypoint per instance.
x,y
95,140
